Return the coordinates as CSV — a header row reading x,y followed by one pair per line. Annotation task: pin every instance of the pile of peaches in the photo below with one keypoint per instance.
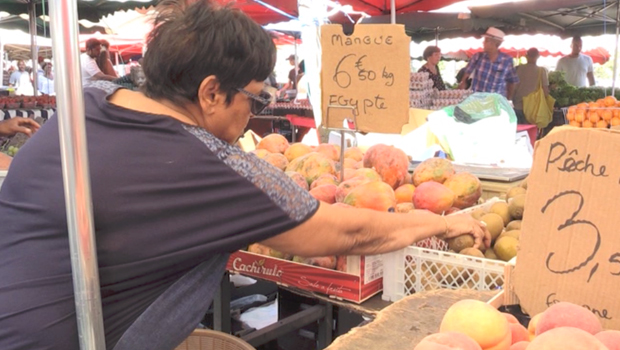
x,y
602,114
475,325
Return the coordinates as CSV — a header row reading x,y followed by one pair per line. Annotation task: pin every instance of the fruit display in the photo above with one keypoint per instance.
x,y
567,95
475,325
503,220
601,114
376,179
16,102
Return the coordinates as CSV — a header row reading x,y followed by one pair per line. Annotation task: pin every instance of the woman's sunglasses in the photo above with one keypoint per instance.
x,y
259,102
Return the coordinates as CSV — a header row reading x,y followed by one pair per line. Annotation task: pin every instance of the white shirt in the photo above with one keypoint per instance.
x,y
22,84
89,68
576,69
46,86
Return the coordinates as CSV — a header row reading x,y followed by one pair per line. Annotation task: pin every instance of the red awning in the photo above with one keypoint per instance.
x,y
382,7
263,14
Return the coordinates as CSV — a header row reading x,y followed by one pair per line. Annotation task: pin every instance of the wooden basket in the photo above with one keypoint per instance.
x,y
205,339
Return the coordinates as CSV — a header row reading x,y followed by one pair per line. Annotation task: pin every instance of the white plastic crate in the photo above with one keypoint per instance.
x,y
428,267
415,269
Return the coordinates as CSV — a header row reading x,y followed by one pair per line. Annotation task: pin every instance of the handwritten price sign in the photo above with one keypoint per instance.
x,y
570,244
365,77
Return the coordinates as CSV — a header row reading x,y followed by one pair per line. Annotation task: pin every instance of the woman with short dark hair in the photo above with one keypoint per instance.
x,y
172,195
432,55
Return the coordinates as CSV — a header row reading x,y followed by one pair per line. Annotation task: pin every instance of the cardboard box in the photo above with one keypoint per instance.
x,y
570,246
363,279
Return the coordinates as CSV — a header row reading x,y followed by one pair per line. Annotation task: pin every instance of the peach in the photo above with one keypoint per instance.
x,y
299,179
348,185
296,150
611,339
349,163
480,321
404,193
564,314
531,327
370,174
325,179
354,153
433,196
566,338
325,193
277,159
447,341
522,345
274,143
375,195
329,150
519,333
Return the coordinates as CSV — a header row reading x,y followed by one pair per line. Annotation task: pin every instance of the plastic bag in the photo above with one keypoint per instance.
x,y
485,135
481,105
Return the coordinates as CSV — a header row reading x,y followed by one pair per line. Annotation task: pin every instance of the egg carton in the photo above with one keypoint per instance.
x,y
419,77
453,94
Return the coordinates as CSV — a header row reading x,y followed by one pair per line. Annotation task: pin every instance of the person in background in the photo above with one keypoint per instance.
x,y
578,67
104,62
530,74
163,241
459,77
20,80
46,80
291,84
88,60
40,62
491,70
432,55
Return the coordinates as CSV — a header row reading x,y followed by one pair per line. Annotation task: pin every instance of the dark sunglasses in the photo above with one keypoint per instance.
x,y
259,102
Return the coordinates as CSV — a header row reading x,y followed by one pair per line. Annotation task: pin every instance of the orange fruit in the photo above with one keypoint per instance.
x,y
606,114
572,109
593,105
615,121
609,101
580,116
570,115
593,116
587,124
575,123
601,124
582,105
616,113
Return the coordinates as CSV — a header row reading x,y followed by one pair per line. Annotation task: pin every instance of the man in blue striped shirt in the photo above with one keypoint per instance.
x,y
491,70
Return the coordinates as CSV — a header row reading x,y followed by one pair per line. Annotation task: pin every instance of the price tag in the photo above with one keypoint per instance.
x,y
570,244
365,77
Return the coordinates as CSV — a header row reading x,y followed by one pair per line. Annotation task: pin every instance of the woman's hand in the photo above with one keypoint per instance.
x,y
461,224
14,125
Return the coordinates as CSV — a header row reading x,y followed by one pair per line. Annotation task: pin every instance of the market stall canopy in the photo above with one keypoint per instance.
x,y
564,18
91,10
20,22
17,45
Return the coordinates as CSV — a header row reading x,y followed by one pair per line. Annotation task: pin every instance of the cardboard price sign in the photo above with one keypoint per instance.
x,y
570,246
365,75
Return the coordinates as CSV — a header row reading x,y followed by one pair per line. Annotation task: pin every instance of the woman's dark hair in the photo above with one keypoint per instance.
x,y
429,51
192,43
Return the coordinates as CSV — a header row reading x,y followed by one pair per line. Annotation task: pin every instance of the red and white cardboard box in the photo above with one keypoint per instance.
x,y
363,279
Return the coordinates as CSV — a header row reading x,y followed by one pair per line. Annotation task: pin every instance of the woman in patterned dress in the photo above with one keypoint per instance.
x,y
432,55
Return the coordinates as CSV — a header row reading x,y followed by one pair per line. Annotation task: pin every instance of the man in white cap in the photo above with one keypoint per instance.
x,y
578,67
491,70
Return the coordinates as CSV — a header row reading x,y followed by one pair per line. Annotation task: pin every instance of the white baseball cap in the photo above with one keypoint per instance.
x,y
494,33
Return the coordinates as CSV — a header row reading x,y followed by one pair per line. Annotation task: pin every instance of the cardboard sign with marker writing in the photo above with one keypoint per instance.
x,y
365,75
570,240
